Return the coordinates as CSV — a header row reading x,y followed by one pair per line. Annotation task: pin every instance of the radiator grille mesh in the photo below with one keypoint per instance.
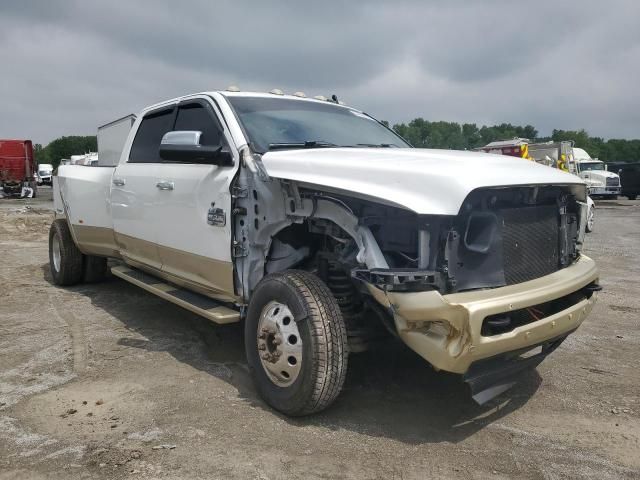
x,y
530,242
613,182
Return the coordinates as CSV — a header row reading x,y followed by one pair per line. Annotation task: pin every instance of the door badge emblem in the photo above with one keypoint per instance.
x,y
216,216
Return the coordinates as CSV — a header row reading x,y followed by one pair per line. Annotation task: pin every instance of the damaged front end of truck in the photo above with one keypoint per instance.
x,y
485,289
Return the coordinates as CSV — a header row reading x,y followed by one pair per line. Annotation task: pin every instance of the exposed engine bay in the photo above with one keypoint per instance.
x,y
501,236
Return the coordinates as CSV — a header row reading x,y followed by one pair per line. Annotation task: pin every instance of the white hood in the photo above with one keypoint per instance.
x,y
423,180
600,173
598,178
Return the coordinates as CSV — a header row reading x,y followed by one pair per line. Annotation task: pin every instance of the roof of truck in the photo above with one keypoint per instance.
x,y
227,93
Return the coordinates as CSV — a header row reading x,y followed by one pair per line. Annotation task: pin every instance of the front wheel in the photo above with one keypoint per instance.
x,y
296,342
632,197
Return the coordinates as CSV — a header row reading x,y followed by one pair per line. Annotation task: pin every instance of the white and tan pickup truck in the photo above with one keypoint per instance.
x,y
326,233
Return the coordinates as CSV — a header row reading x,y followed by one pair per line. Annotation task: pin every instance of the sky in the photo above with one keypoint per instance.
x,y
67,67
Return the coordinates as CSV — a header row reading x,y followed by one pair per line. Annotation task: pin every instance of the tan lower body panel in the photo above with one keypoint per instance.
x,y
446,330
215,275
207,276
191,301
96,241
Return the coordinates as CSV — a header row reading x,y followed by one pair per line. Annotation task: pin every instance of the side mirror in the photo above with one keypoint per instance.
x,y
184,146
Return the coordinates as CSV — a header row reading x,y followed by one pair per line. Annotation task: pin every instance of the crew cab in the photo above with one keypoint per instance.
x,y
326,233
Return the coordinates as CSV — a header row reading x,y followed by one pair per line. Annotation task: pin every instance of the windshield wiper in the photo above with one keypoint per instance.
x,y
307,144
376,145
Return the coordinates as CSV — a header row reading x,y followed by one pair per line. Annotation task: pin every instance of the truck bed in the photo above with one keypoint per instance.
x,y
82,194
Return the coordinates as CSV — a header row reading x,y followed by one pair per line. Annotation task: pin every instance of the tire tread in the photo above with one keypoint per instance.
x,y
71,261
328,333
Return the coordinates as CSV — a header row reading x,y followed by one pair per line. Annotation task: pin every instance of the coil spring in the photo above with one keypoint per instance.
x,y
343,290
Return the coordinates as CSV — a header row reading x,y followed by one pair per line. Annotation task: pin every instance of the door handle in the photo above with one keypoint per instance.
x,y
118,182
164,185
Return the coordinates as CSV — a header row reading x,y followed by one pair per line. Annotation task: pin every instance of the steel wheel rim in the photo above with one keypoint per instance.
x,y
279,344
56,253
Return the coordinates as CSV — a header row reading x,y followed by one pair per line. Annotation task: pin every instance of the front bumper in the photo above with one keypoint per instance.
x,y
604,190
446,330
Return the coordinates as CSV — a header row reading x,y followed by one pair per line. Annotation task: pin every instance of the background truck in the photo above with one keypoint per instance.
x,y
600,181
45,174
326,233
565,156
552,154
17,168
629,178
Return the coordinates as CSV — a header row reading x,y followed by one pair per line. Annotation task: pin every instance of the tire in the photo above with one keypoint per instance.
x,y
95,269
632,197
315,336
590,220
65,260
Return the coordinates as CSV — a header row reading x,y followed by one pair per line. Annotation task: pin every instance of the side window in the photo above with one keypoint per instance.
x,y
146,145
195,116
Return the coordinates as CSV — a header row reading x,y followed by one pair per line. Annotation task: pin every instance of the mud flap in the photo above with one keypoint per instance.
x,y
489,377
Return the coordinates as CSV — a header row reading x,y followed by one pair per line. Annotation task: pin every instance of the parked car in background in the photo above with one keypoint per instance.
x,y
629,178
591,215
45,173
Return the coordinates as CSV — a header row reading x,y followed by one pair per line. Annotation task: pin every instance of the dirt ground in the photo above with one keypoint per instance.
x,y
108,381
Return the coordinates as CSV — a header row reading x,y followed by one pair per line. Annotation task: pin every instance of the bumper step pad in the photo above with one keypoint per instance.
x,y
194,302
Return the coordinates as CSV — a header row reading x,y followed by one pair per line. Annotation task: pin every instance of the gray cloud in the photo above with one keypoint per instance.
x,y
68,66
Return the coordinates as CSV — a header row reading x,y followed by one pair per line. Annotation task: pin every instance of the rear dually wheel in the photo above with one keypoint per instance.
x,y
65,260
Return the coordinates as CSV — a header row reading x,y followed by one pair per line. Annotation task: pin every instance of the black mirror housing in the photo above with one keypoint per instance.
x,y
196,154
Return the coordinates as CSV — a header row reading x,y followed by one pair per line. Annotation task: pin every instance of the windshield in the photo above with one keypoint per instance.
x,y
586,166
277,123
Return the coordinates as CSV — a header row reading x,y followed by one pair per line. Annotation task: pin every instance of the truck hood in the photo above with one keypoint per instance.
x,y
599,174
423,180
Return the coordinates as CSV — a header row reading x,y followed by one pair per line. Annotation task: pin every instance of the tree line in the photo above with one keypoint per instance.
x,y
423,133
420,133
64,147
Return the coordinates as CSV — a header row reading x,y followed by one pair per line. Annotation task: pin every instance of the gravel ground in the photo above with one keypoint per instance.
x,y
108,381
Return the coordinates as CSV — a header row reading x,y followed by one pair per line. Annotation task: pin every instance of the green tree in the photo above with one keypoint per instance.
x,y
423,133
40,153
64,147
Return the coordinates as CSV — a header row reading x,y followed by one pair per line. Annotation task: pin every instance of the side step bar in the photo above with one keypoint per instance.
x,y
194,302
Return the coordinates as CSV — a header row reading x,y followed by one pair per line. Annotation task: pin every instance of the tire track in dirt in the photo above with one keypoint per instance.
x,y
77,332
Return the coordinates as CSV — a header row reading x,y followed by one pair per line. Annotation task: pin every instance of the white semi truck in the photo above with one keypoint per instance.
x,y
562,155
599,180
320,228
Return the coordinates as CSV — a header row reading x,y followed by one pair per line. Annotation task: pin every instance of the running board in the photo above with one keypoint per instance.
x,y
194,302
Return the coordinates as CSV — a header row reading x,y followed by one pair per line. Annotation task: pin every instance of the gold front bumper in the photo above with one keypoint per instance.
x,y
445,330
